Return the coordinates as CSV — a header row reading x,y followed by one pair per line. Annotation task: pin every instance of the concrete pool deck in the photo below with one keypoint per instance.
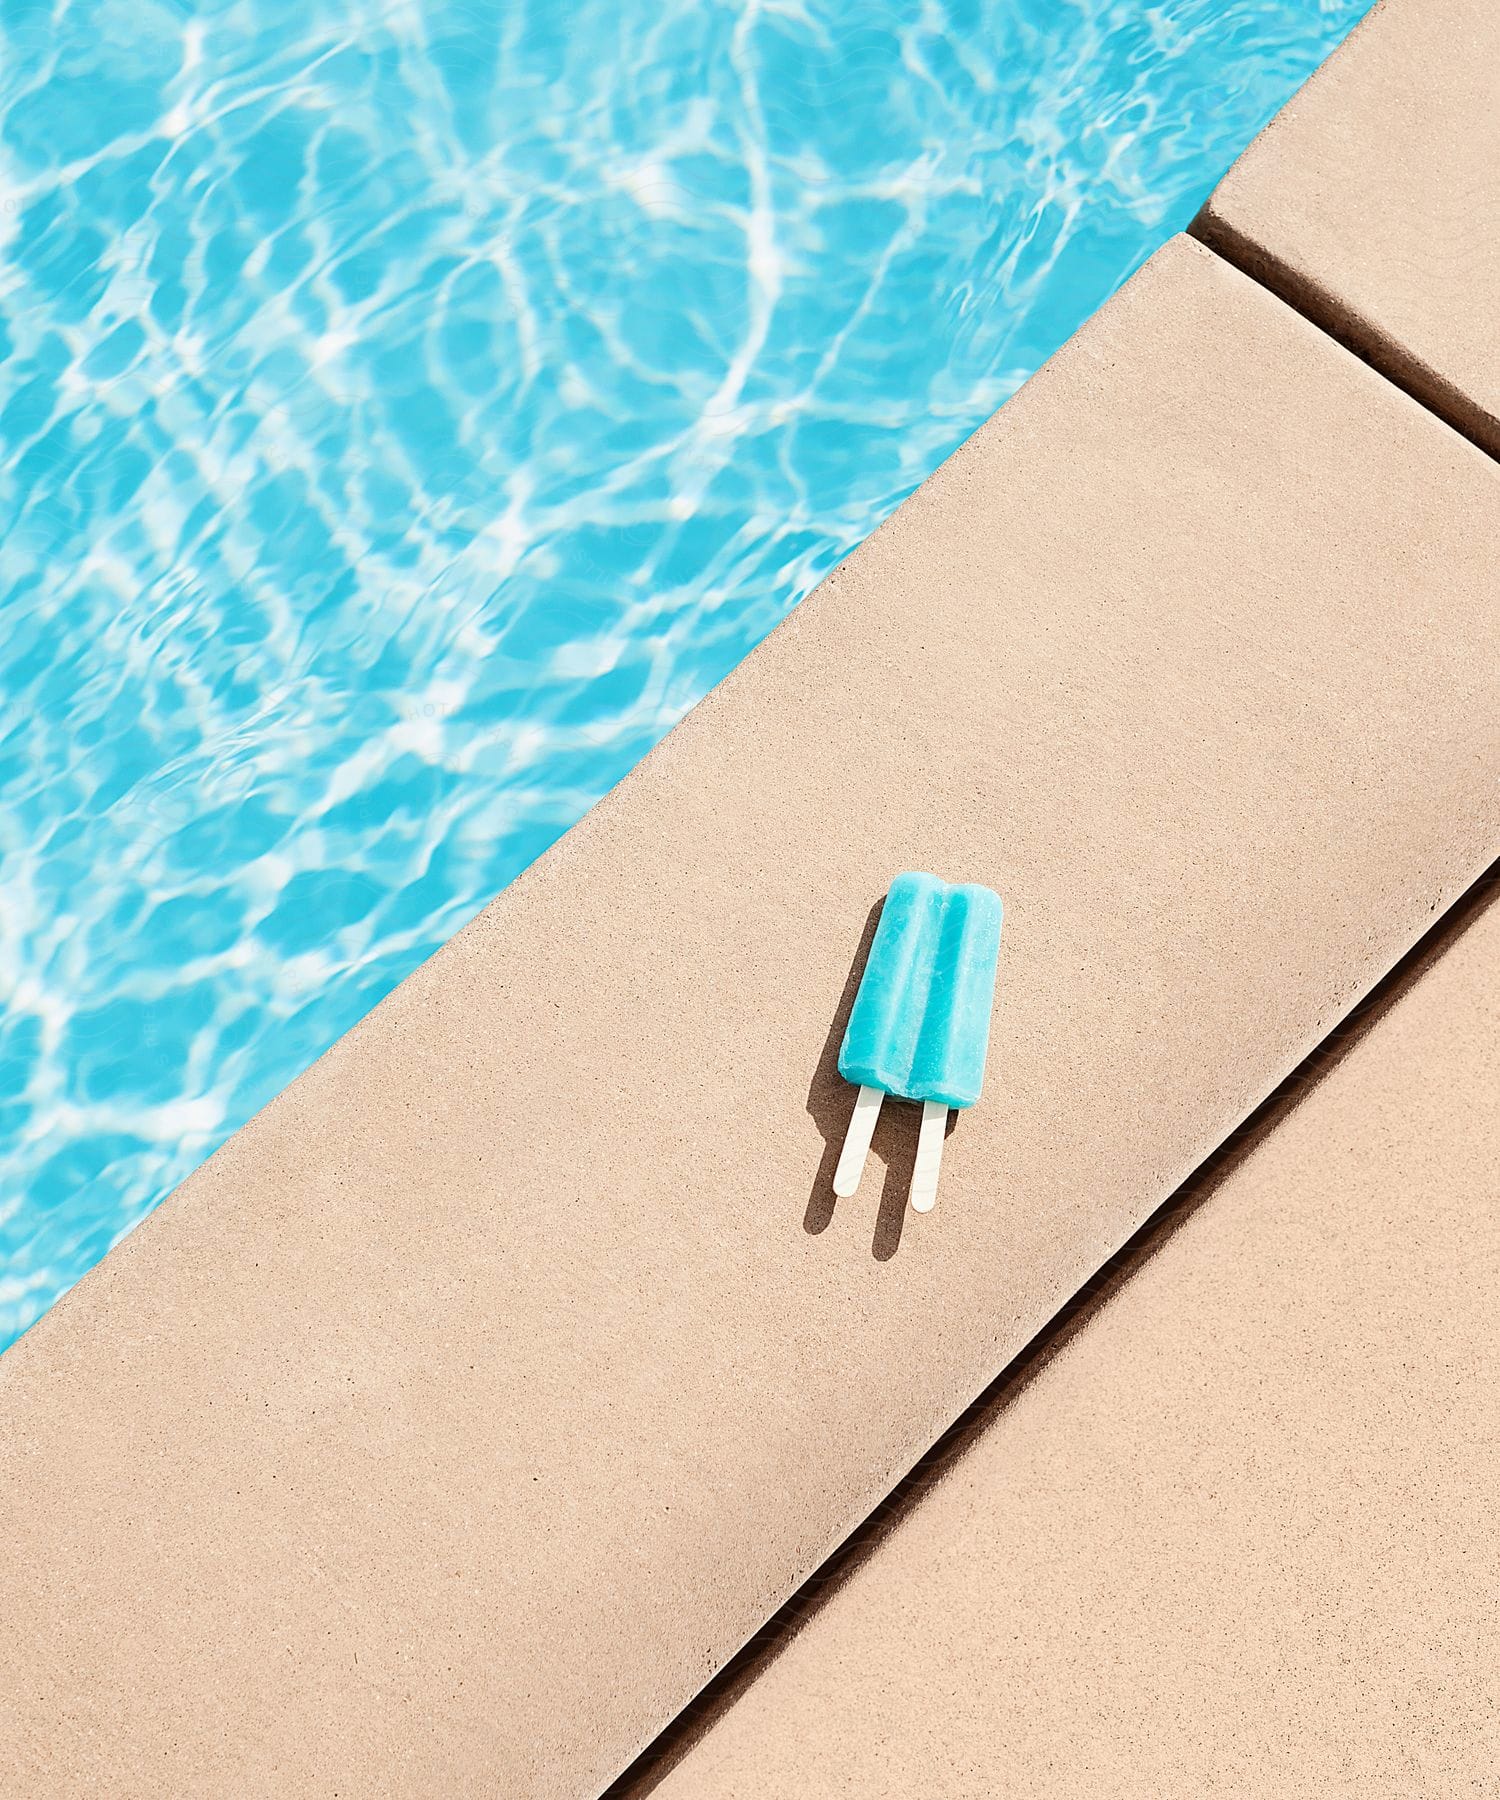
x,y
460,1417
467,1412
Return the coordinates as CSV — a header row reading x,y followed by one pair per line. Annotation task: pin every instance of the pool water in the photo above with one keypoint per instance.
x,y
408,411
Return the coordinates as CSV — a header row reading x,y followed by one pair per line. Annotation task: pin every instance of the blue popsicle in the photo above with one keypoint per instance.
x,y
920,1026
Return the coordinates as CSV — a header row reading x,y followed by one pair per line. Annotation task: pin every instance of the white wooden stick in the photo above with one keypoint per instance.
x,y
857,1141
924,1174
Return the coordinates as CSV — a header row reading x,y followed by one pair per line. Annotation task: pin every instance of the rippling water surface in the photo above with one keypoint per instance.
x,y
408,411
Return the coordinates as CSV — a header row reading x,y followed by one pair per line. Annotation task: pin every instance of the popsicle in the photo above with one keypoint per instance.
x,y
920,1026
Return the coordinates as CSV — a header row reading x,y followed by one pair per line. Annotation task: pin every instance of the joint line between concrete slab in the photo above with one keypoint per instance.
x,y
1349,329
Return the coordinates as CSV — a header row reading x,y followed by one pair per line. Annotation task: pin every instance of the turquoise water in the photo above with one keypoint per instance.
x,y
409,411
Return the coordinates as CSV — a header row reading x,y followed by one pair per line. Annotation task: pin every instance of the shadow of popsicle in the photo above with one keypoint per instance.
x,y
830,1100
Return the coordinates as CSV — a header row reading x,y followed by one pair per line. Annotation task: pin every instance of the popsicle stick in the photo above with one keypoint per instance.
x,y
857,1141
924,1175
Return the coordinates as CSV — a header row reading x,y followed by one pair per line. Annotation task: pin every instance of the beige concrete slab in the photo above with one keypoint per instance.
x,y
468,1409
1372,201
1238,1533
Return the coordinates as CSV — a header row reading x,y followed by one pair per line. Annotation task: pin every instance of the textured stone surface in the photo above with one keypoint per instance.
x,y
450,1427
1237,1534
1372,201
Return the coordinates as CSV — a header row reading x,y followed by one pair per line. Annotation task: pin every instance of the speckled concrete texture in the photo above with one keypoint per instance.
x,y
457,1420
1372,201
1238,1534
